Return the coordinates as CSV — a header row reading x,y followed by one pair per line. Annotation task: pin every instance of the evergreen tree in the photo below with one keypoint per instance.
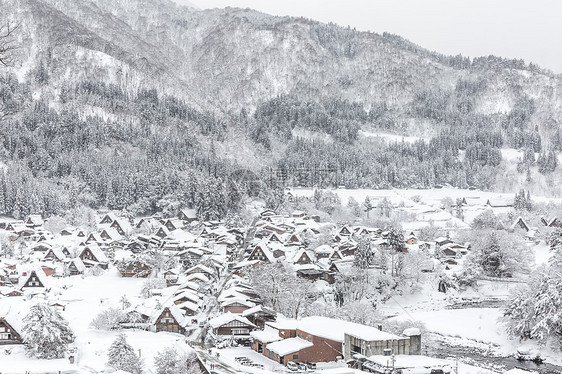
x,y
121,356
491,256
363,255
367,205
395,239
46,333
528,202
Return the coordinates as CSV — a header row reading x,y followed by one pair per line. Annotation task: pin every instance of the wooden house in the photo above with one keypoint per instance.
x,y
174,224
110,234
67,231
8,334
344,231
55,255
76,267
135,269
411,239
171,276
162,232
520,223
41,247
94,238
303,257
108,219
294,240
94,256
187,215
122,226
170,319
323,251
33,279
236,305
34,221
261,253
231,325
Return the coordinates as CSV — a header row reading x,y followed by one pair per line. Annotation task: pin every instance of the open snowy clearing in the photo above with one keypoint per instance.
x,y
391,137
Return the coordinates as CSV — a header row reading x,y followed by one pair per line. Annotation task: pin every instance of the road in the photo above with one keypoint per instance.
x,y
208,359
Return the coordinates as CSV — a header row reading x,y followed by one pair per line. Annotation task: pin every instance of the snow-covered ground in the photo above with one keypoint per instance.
x,y
391,137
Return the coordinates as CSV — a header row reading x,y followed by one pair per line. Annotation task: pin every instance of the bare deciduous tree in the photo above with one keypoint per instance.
x,y
7,43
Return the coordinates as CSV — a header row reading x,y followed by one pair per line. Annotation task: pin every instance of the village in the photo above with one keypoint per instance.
x,y
179,281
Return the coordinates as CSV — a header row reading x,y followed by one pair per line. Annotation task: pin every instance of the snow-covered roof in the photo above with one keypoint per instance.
x,y
79,264
202,268
338,328
97,252
57,252
257,309
112,233
268,335
189,295
284,324
412,331
188,305
189,213
198,277
242,301
124,224
225,318
13,315
288,346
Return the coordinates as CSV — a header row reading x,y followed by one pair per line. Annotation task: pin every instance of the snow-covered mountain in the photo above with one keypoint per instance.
x,y
228,58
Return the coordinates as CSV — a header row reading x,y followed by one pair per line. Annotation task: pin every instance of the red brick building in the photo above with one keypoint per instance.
x,y
315,339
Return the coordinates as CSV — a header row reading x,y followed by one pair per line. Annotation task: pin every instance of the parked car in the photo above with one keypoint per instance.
x,y
292,366
311,365
241,358
301,366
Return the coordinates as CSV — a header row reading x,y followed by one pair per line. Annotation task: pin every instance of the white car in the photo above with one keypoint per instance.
x,y
292,366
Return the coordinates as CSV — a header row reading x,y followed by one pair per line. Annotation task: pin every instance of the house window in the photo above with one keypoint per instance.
x,y
356,349
295,357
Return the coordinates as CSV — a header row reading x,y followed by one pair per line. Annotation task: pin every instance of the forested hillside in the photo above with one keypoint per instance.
x,y
148,106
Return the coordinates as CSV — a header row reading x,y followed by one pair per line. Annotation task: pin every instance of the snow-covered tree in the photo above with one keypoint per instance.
x,y
363,255
385,207
499,254
535,310
151,284
485,220
45,332
367,205
122,356
108,319
395,239
281,289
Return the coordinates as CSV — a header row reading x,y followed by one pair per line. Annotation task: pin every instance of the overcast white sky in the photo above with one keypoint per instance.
x,y
527,29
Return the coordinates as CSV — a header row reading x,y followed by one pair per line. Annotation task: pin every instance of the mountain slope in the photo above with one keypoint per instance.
x,y
154,101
